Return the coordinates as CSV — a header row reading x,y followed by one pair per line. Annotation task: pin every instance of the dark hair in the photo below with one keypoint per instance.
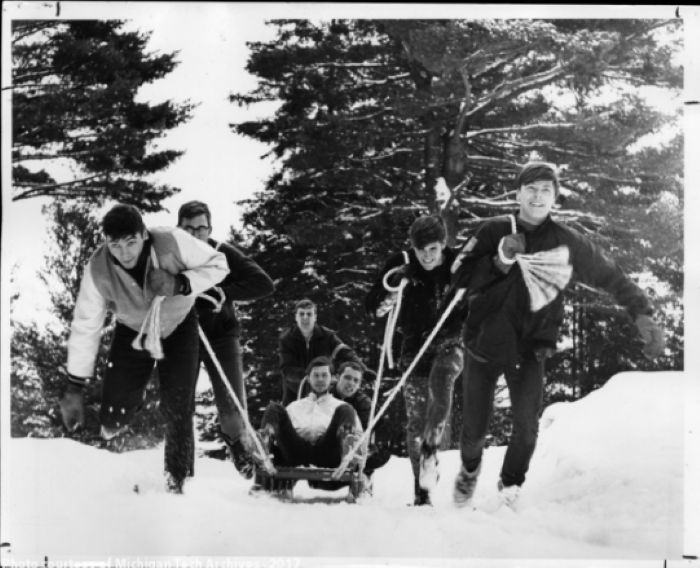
x,y
305,303
192,209
536,171
353,365
320,362
122,221
426,230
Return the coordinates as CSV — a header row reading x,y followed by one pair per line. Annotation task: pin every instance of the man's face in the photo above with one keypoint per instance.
x,y
349,382
320,379
430,256
197,226
536,200
127,250
306,318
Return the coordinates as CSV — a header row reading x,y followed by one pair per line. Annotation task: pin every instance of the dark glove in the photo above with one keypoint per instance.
x,y
512,245
652,335
543,353
163,283
73,406
406,271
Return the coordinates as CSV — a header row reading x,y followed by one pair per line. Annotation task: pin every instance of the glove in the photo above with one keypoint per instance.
x,y
406,271
163,283
544,352
512,245
73,407
652,335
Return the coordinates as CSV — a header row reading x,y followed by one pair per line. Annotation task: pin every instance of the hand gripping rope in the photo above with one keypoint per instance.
x,y
365,436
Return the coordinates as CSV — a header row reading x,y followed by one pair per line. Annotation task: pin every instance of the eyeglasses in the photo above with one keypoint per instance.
x,y
202,230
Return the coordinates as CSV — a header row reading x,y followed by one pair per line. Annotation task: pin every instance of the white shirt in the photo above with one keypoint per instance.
x,y
311,416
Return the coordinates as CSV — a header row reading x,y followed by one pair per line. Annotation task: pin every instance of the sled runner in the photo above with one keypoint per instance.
x,y
351,477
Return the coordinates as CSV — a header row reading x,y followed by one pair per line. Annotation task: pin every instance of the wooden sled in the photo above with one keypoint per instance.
x,y
351,477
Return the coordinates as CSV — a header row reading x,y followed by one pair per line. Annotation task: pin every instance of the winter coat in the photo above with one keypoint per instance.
x,y
106,285
311,416
500,325
296,352
422,299
359,401
245,281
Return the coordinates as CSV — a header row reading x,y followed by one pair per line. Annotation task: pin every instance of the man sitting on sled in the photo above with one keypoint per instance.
x,y
317,430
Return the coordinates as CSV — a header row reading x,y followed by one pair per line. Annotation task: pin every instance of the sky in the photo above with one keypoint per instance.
x,y
591,498
221,168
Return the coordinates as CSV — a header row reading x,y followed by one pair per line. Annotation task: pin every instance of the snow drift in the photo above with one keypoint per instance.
x,y
606,482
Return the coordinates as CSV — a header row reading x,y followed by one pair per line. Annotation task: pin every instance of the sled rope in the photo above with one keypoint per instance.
x,y
393,316
392,394
267,463
546,273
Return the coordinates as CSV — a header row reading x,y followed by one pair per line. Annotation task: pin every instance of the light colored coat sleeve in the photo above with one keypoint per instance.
x,y
86,328
205,266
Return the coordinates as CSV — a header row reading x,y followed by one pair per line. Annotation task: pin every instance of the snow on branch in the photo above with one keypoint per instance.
x,y
524,128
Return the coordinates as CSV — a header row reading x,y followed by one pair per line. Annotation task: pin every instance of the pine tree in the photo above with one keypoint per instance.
x,y
78,131
374,114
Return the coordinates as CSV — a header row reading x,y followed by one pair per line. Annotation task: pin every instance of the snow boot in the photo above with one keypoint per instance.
x,y
465,485
349,438
429,474
173,485
240,457
266,437
508,495
422,497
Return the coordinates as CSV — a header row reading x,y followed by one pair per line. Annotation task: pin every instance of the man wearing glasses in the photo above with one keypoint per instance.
x,y
245,281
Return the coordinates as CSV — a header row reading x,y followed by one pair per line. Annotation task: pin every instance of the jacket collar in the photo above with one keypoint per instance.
x,y
319,398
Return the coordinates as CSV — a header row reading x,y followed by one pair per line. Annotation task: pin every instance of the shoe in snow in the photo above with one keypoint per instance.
x,y
173,485
241,458
108,432
508,495
265,436
421,498
429,474
465,485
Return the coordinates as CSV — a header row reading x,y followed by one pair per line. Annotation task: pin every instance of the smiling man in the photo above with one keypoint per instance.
x,y
124,276
505,335
315,430
428,390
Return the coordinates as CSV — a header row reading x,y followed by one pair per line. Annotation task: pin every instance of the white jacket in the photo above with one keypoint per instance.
x,y
311,416
107,286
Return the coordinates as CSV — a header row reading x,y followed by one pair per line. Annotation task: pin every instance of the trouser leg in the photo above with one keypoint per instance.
x,y
328,450
416,398
526,388
228,352
178,376
290,449
126,376
445,370
479,385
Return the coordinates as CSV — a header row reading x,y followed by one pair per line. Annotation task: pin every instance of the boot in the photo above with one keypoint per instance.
x,y
429,474
349,437
240,456
422,497
465,485
508,495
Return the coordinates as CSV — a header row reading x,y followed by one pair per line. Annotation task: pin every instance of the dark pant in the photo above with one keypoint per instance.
x,y
525,385
428,396
227,349
292,450
124,385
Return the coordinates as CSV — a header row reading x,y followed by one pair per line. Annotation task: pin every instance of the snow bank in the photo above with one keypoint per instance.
x,y
606,482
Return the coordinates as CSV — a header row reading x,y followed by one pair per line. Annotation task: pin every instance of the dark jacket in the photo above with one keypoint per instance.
x,y
500,325
296,353
422,299
359,401
245,281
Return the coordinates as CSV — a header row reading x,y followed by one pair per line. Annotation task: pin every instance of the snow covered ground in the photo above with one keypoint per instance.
x,y
606,482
